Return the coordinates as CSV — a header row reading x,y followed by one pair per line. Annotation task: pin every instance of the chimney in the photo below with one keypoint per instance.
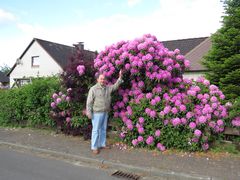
x,y
80,45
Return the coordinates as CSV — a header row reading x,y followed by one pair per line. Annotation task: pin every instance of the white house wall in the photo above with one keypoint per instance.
x,y
193,75
47,65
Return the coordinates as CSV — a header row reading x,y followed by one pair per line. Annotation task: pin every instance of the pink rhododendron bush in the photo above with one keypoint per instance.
x,y
157,107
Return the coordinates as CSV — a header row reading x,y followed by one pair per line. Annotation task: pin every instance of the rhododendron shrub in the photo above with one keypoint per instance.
x,y
157,107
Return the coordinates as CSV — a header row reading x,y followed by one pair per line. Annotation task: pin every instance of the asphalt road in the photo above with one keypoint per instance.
x,y
16,165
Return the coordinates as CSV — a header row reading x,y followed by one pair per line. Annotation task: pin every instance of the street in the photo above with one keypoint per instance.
x,y
16,165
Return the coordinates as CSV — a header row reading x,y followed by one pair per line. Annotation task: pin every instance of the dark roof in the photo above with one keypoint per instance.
x,y
184,45
193,49
3,78
62,53
59,52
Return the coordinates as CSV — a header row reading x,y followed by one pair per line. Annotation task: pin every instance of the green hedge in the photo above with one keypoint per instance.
x,y
28,105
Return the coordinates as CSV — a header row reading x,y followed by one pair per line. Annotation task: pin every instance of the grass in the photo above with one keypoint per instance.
x,y
225,147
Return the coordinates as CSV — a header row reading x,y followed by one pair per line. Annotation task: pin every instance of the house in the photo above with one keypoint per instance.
x,y
42,58
193,49
4,80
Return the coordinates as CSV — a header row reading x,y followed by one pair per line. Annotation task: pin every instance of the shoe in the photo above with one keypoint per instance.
x,y
95,151
106,147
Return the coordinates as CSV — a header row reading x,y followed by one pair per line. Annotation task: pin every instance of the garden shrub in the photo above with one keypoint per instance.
x,y
28,105
68,106
234,113
157,107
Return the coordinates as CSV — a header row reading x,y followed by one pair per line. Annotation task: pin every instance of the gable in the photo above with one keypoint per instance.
x,y
45,66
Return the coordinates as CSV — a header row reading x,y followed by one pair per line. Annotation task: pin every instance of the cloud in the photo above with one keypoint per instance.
x,y
6,16
30,29
132,3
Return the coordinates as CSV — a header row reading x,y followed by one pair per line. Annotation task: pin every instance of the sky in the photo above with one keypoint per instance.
x,y
100,23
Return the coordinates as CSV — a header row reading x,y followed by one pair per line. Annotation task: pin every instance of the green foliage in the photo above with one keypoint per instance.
x,y
28,105
5,68
234,111
223,60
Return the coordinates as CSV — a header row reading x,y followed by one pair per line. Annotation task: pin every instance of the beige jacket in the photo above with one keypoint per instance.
x,y
99,97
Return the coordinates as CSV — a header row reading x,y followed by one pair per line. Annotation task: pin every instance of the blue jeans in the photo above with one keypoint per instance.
x,y
99,130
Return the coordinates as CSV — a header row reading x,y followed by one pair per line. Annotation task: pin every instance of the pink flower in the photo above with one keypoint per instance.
x,y
205,146
130,126
197,133
69,90
202,119
81,69
122,135
68,98
68,119
151,49
187,63
236,122
157,133
176,121
54,96
141,130
183,121
220,122
149,95
174,110
161,114
53,105
192,125
147,110
134,142
195,139
182,108
206,82
167,109
127,66
191,93
59,100
165,122
161,147
152,114
222,96
140,84
213,99
157,99
141,120
140,139
149,140
149,57
153,102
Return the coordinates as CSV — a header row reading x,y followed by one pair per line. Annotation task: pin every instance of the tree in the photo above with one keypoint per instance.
x,y
5,68
223,60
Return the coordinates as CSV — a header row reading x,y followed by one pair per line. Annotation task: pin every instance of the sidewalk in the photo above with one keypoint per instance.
x,y
144,162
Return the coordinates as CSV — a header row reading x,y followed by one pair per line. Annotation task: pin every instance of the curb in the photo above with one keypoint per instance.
x,y
95,162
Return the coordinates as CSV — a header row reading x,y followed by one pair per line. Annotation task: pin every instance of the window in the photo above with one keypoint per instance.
x,y
35,61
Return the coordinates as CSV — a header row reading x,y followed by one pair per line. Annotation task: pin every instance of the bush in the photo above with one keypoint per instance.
x,y
68,106
233,119
159,108
30,104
